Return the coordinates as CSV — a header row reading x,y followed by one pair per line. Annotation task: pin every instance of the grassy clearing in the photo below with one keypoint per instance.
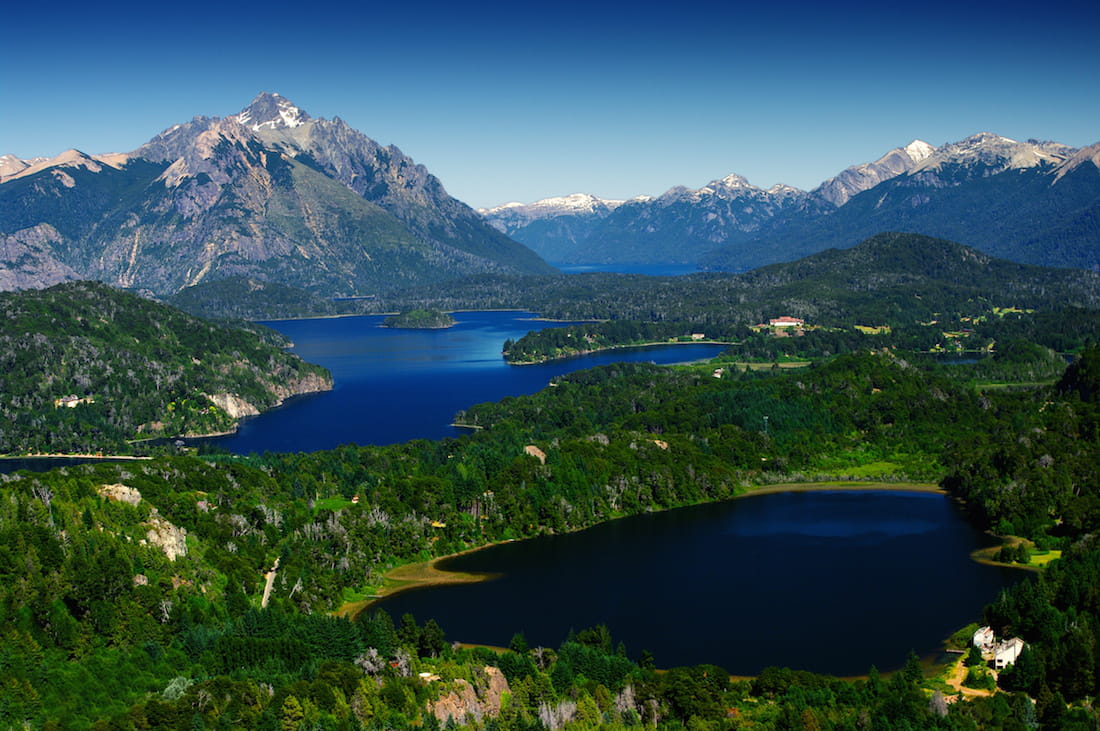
x,y
1042,558
765,365
332,503
872,469
844,485
1014,386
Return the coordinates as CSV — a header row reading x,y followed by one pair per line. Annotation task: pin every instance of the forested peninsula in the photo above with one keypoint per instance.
x,y
86,368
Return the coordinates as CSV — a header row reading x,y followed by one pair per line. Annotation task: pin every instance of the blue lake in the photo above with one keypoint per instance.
x,y
395,385
653,270
832,582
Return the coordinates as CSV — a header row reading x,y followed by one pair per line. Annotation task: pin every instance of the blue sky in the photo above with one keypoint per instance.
x,y
510,102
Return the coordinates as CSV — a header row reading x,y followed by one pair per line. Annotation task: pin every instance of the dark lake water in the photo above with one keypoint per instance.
x,y
395,385
832,582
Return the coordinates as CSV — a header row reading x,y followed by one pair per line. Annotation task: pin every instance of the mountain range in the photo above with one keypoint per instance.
x,y
269,193
1033,202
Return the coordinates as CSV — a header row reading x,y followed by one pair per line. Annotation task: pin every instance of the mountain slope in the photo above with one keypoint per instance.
x,y
1017,201
858,178
555,228
268,193
1034,202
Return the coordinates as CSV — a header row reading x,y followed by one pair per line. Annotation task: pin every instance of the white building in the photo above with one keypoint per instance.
x,y
984,639
1005,653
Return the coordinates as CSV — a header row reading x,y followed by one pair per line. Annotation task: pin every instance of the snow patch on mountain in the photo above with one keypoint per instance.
x,y
511,216
271,111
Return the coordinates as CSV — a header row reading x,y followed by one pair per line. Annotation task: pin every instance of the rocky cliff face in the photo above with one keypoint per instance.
x,y
478,700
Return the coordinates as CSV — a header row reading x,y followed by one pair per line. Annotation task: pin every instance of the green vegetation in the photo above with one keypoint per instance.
x,y
243,298
420,320
95,612
887,280
132,368
130,594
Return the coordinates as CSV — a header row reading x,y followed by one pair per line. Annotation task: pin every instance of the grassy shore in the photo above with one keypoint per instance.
x,y
416,575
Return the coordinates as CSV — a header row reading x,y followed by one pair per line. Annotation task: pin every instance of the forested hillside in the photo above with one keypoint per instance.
x,y
890,278
134,592
85,368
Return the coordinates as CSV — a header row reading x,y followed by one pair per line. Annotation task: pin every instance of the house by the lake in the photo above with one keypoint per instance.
x,y
1001,654
984,639
1006,653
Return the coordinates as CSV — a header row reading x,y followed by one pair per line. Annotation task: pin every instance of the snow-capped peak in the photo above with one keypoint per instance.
x,y
271,111
733,180
557,205
918,150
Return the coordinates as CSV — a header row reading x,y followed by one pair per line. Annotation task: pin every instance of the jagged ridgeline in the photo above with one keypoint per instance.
x,y
85,367
269,193
1033,202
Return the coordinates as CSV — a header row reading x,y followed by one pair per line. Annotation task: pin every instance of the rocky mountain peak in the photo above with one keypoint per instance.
x,y
271,111
733,180
917,150
998,153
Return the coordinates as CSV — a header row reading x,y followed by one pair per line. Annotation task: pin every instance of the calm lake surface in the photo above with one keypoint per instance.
x,y
653,270
832,582
395,385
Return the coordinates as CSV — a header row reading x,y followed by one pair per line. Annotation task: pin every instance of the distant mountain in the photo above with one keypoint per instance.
x,y
1035,202
269,193
678,226
1031,202
552,227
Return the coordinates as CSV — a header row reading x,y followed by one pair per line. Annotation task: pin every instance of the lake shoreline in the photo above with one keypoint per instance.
x,y
102,457
610,348
422,574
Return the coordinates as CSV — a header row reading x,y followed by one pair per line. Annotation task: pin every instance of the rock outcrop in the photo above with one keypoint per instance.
x,y
480,699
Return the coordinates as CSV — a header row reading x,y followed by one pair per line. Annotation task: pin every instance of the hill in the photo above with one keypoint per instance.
x,y
84,368
887,278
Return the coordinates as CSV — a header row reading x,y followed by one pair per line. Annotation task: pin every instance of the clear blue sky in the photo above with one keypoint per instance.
x,y
507,102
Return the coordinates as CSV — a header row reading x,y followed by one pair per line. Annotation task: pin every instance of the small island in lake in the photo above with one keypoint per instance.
x,y
420,320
